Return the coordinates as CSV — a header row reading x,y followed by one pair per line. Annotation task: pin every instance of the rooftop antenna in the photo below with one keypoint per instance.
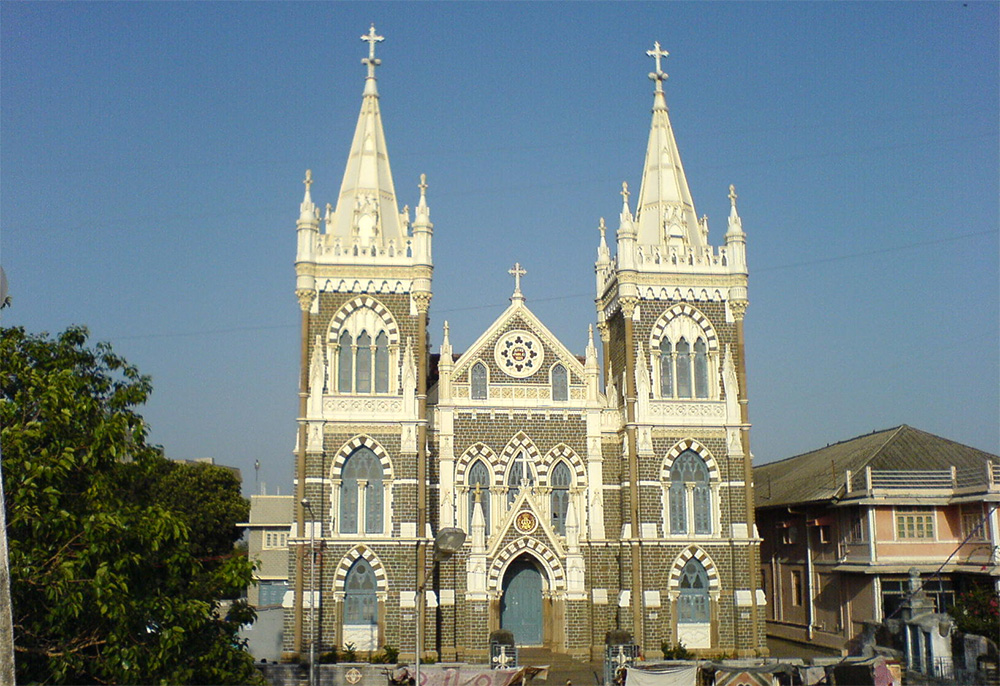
x,y
256,476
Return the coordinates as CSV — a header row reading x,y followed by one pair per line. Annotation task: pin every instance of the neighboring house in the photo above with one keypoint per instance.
x,y
267,542
844,525
589,506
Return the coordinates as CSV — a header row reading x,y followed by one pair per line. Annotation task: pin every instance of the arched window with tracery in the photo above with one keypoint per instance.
x,y
366,349
519,476
559,499
478,375
361,493
693,603
690,495
478,480
688,358
560,383
360,597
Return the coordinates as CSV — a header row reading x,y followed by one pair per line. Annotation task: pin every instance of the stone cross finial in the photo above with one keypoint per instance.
x,y
423,185
517,272
732,195
659,76
625,192
371,60
602,228
309,179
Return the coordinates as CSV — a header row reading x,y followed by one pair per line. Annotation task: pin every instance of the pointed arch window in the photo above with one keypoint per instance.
x,y
519,476
361,493
559,500
479,479
381,363
666,369
360,597
700,369
345,369
560,383
693,606
364,373
683,369
690,495
478,381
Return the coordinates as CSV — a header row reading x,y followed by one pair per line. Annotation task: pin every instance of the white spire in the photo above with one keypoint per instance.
x,y
367,211
665,211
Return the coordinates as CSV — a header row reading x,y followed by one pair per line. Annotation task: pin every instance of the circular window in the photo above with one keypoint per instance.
x,y
518,354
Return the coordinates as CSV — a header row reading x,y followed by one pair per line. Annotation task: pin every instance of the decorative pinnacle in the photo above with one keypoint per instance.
x,y
517,272
423,188
478,494
602,228
371,61
659,75
732,195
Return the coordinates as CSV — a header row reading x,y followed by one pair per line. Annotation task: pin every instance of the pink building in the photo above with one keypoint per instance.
x,y
843,525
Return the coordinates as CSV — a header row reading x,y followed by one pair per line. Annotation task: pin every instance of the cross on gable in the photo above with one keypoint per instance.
x,y
517,272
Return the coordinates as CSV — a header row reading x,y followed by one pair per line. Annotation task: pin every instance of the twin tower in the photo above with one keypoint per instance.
x,y
611,494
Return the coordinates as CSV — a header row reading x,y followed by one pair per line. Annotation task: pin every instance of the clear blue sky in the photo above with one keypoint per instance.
x,y
152,157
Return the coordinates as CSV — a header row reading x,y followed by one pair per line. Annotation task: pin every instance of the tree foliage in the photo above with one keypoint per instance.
x,y
111,581
977,611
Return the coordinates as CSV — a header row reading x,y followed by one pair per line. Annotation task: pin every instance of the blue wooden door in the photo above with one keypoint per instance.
x,y
521,603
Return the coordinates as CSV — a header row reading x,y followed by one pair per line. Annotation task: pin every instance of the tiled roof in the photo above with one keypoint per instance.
x,y
819,475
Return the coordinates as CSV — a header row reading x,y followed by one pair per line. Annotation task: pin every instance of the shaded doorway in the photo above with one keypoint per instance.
x,y
521,602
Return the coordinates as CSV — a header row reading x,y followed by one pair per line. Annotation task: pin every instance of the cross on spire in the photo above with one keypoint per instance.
x,y
659,75
732,195
372,38
517,272
309,179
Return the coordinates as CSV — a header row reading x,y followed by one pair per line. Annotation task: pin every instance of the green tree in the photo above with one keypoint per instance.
x,y
107,585
977,611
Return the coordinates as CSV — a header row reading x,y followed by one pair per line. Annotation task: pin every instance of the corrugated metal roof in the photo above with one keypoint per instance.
x,y
819,475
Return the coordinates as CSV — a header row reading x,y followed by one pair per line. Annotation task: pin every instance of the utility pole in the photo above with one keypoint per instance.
x,y
6,619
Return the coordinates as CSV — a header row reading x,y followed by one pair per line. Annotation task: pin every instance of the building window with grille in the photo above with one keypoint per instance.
x,y
361,493
559,499
479,386
915,523
560,383
974,522
479,486
275,539
690,495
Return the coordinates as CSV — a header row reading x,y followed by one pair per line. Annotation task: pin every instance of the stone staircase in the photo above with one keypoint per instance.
x,y
562,667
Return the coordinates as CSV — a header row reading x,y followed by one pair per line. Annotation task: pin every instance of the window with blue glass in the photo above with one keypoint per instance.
x,y
559,499
478,381
693,603
560,383
690,492
518,477
479,482
360,598
361,493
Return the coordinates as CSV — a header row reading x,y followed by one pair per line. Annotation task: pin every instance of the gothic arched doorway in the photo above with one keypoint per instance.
x,y
521,603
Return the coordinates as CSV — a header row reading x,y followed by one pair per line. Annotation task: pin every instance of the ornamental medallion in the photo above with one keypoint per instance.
x,y
525,522
518,354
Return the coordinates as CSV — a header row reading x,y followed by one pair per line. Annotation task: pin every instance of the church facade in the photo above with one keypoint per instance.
x,y
609,491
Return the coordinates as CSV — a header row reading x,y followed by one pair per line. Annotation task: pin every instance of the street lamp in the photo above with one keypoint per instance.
x,y
447,542
312,591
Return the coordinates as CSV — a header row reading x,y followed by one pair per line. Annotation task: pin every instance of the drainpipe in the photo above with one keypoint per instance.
x,y
809,583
